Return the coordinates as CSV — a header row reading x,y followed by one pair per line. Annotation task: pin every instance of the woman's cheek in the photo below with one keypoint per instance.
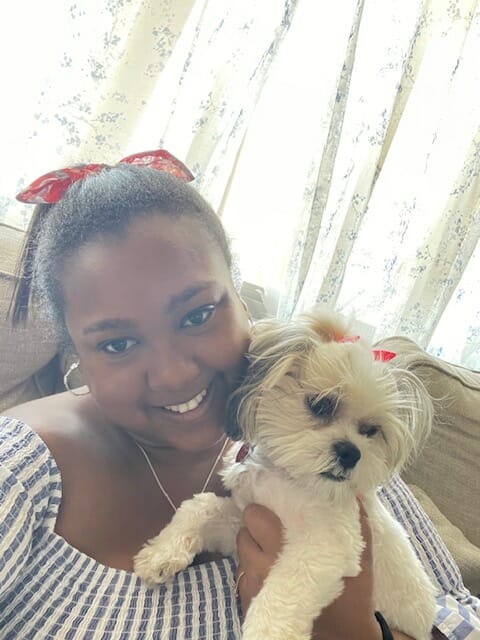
x,y
112,383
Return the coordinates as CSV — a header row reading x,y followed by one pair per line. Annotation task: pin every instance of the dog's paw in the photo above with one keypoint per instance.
x,y
157,566
163,557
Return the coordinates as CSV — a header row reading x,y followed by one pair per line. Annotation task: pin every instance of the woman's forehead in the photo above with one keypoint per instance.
x,y
154,239
151,259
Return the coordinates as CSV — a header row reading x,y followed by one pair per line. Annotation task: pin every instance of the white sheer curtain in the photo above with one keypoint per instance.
x,y
340,141
77,78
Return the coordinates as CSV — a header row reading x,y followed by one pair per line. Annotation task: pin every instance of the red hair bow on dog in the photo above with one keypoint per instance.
x,y
378,354
50,187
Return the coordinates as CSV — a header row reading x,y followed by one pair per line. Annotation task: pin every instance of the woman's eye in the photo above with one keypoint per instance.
x,y
118,346
198,317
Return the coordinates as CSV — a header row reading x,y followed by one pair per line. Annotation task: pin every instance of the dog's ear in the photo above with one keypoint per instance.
x,y
417,409
327,324
261,375
274,351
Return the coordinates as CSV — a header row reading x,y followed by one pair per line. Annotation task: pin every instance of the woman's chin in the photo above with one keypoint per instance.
x,y
193,438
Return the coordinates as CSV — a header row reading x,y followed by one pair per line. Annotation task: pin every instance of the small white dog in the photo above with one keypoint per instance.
x,y
325,418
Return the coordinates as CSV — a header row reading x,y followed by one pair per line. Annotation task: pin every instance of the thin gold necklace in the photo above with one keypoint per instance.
x,y
160,485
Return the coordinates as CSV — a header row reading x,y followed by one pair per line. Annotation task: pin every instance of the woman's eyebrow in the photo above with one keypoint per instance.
x,y
113,324
188,293
109,324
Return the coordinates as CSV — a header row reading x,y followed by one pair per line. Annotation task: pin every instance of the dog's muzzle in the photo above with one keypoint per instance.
x,y
347,454
346,457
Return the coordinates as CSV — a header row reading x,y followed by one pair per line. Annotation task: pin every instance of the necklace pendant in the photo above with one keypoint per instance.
x,y
160,485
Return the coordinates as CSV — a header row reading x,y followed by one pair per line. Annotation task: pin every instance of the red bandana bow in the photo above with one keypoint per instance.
x,y
50,187
378,354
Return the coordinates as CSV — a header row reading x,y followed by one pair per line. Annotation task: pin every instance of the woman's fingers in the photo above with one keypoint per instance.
x,y
265,528
258,544
258,541
253,567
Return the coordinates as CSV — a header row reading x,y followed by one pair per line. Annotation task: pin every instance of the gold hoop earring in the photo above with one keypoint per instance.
x,y
72,368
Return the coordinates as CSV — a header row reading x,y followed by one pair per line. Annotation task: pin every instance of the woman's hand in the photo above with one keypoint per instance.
x,y
259,542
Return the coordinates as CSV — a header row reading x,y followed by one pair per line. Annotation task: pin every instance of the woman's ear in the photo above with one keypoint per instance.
x,y
244,305
246,309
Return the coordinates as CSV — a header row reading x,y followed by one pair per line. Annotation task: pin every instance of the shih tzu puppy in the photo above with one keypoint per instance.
x,y
325,418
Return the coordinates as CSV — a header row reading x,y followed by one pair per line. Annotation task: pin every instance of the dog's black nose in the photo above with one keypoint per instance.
x,y
347,453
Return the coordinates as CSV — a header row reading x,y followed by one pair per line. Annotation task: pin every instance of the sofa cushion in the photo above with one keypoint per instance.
x,y
27,354
447,469
466,554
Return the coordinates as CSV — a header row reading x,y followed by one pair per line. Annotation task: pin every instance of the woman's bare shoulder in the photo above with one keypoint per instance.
x,y
61,420
51,413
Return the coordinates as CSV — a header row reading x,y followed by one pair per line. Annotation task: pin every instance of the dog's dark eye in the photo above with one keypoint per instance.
x,y
322,406
368,430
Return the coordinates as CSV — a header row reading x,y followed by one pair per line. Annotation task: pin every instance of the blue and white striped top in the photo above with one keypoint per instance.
x,y
48,589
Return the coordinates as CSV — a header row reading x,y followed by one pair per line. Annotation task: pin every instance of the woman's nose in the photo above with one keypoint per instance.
x,y
169,368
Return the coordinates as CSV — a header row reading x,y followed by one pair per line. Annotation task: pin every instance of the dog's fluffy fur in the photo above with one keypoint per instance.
x,y
326,421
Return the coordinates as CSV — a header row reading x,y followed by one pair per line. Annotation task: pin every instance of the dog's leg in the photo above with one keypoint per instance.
x,y
403,591
205,523
304,580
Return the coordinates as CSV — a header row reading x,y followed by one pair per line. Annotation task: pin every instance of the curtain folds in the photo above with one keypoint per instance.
x,y
309,226
340,142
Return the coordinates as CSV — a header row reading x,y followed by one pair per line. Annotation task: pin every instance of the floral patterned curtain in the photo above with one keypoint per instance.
x,y
340,142
77,78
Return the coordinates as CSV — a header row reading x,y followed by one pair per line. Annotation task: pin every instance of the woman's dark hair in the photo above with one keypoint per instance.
x,y
99,205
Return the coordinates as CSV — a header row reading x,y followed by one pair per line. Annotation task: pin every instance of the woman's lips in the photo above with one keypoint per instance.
x,y
189,405
186,411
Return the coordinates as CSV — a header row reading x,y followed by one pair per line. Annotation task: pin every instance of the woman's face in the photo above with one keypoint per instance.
x,y
159,329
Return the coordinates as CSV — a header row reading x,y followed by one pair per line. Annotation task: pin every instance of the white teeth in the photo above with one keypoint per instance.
x,y
187,406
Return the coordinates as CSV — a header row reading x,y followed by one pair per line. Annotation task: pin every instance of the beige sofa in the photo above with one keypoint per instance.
x,y
27,355
445,477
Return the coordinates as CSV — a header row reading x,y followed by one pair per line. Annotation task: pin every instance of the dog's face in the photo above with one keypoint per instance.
x,y
327,411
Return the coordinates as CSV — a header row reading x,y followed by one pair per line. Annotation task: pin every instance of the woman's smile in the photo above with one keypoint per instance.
x,y
190,405
191,410
200,409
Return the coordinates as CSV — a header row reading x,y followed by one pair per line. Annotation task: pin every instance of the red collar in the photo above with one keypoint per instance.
x,y
243,452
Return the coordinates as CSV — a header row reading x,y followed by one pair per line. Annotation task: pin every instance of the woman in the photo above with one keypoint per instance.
x,y
135,270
